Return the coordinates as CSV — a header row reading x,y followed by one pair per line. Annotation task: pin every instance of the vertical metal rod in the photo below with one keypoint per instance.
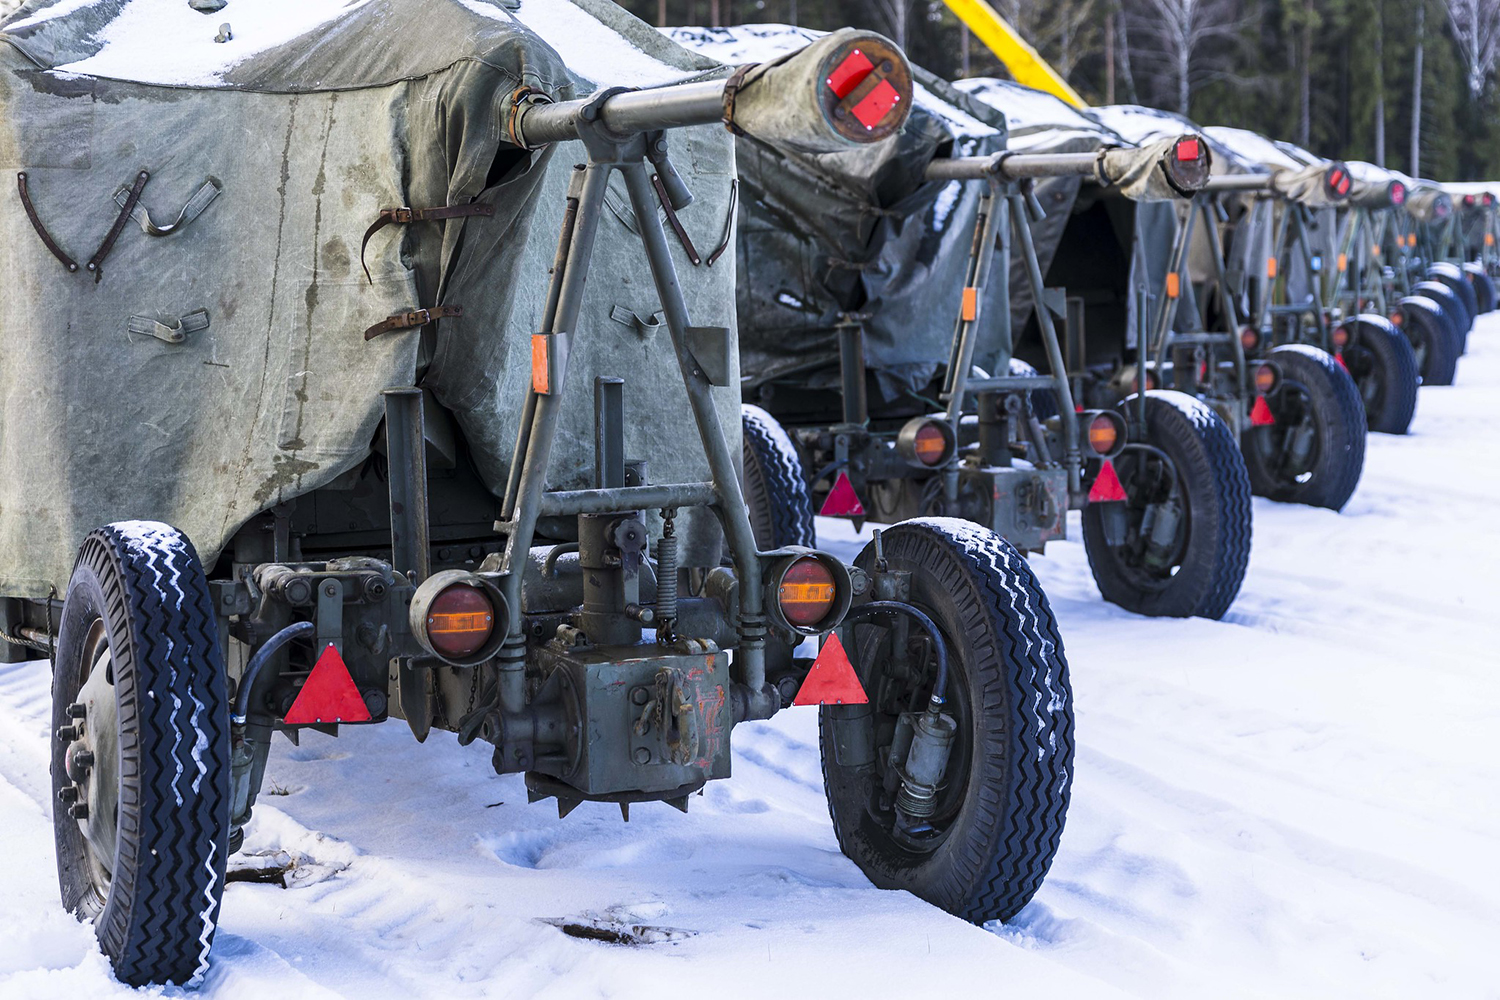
x,y
1305,246
1071,457
1166,314
609,432
993,211
852,372
750,657
406,459
1278,251
535,451
549,317
1226,296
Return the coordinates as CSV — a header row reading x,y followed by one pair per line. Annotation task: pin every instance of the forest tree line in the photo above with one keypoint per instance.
x,y
1341,77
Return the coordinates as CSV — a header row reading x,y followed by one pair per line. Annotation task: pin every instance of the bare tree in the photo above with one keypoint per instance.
x,y
1176,33
897,16
1414,166
1476,26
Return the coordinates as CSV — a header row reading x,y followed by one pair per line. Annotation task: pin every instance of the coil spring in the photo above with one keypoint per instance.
x,y
666,577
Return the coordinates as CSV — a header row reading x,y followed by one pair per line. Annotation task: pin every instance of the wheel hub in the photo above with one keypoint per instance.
x,y
92,763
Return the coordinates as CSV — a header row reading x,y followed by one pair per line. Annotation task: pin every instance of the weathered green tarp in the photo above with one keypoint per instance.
x,y
309,120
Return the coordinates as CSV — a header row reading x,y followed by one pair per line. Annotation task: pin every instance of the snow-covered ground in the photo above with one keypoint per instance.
x,y
1298,801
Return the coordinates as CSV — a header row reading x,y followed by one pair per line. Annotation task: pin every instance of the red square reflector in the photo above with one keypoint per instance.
x,y
1187,150
849,73
877,102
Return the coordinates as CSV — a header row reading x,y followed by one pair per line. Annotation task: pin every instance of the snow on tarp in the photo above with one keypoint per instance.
x,y
1254,147
1029,111
317,116
862,231
1141,125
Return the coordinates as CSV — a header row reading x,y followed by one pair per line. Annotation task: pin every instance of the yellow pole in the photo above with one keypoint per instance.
x,y
1023,61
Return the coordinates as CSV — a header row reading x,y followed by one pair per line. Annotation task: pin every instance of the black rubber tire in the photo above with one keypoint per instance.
x,y
138,585
1431,337
1484,286
781,511
1339,430
1384,368
1453,309
1217,519
1453,276
1006,657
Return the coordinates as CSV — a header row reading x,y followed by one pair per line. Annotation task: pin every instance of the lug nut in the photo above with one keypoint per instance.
x,y
75,710
67,733
83,760
67,794
79,810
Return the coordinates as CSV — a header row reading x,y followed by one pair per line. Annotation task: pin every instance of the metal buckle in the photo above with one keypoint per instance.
x,y
401,215
420,317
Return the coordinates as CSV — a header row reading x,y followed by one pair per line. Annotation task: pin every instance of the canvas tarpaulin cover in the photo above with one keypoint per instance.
x,y
313,117
821,236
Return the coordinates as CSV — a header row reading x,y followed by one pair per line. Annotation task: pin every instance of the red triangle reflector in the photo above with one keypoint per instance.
x,y
832,680
842,500
1260,413
328,695
1106,488
1339,357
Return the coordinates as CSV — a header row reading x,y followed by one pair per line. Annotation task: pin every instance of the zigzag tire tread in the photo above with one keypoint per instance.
x,y
776,492
1021,812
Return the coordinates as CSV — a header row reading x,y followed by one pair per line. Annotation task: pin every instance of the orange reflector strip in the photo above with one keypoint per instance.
x,y
1270,267
1375,249
929,445
971,304
1489,239
1174,284
1343,262
541,372
832,680
1102,435
461,623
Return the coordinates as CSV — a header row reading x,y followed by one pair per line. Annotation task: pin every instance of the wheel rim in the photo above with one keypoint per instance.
x,y
903,685
1361,364
96,777
1276,445
1152,485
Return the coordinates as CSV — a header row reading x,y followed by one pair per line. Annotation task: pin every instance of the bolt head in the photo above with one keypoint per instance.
x,y
67,733
67,794
642,755
76,710
79,810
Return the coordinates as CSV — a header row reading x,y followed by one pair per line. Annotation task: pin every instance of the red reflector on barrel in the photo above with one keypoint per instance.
x,y
1398,192
849,74
1188,150
1260,413
877,102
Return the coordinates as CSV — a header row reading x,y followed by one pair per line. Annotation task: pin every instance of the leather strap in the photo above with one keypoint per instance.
x,y
731,91
673,221
734,200
41,230
96,261
405,216
412,320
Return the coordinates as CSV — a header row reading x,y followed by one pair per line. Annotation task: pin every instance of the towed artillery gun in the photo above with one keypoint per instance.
x,y
1300,421
367,543
910,402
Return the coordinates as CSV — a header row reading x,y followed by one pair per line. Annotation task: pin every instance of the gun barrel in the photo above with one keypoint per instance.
x,y
848,88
